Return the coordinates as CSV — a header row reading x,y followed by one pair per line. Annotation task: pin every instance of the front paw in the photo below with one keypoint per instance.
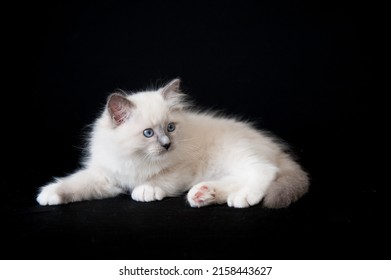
x,y
49,196
146,193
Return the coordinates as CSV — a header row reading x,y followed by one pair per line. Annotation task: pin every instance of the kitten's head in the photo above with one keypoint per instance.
x,y
147,124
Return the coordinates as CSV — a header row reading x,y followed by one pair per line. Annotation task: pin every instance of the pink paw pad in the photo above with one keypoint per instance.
x,y
202,194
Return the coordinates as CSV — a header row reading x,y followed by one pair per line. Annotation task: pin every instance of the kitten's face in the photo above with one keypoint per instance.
x,y
158,140
147,124
152,129
151,140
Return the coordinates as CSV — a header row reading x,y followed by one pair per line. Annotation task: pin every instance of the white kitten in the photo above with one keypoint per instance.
x,y
152,145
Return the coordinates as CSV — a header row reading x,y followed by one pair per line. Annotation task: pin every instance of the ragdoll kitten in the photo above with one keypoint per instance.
x,y
152,145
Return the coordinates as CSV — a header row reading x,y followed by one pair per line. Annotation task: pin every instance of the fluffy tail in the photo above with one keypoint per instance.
x,y
291,183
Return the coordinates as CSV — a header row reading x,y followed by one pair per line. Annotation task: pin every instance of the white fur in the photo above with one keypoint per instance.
x,y
218,159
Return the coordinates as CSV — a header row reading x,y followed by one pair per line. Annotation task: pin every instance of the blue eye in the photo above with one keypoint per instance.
x,y
148,132
170,127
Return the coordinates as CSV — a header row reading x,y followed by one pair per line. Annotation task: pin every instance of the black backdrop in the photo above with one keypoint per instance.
x,y
302,70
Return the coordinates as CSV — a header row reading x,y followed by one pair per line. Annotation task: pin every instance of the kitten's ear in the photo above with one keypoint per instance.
x,y
119,108
171,88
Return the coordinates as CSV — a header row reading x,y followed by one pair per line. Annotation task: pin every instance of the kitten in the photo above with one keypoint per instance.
x,y
152,145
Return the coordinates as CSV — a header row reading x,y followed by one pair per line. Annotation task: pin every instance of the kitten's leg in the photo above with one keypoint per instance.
x,y
165,185
83,185
245,189
212,192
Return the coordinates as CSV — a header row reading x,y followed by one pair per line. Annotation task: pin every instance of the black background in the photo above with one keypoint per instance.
x,y
303,70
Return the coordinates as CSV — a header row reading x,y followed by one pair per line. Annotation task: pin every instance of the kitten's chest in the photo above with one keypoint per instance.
x,y
131,175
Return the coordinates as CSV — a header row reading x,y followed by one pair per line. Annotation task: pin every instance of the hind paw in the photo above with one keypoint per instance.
x,y
243,199
201,195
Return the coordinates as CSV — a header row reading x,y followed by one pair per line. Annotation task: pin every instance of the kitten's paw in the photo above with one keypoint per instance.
x,y
146,193
243,199
49,196
201,195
